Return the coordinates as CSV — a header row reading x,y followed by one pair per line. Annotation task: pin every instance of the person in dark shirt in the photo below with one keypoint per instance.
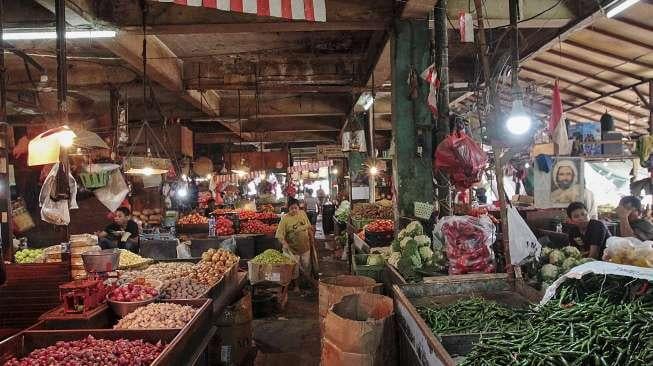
x,y
631,222
122,233
589,236
210,207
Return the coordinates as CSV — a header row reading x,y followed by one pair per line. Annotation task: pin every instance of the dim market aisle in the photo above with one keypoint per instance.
x,y
293,337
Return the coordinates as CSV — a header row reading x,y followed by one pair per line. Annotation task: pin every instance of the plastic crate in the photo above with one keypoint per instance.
x,y
361,268
423,210
95,179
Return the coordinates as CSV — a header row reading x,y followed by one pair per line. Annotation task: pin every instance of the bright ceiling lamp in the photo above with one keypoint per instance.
x,y
27,36
519,122
618,6
45,148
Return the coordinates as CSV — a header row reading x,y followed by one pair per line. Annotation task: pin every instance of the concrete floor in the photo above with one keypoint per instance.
x,y
292,338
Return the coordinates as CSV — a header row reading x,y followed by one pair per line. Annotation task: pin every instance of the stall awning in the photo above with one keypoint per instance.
x,y
312,10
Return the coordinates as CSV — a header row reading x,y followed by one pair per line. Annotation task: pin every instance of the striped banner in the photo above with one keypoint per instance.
x,y
311,10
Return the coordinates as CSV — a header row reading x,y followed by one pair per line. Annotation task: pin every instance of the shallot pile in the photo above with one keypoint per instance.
x,y
92,352
157,315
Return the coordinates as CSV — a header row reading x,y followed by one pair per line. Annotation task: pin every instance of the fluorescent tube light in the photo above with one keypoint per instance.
x,y
19,36
620,6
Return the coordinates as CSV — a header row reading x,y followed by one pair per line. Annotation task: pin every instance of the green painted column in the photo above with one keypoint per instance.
x,y
355,161
411,118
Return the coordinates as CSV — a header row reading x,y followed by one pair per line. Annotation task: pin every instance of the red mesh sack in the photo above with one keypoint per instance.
x,y
461,158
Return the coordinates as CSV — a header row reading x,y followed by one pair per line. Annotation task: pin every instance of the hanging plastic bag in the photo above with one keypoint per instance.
x,y
523,243
228,245
57,212
468,242
114,192
462,159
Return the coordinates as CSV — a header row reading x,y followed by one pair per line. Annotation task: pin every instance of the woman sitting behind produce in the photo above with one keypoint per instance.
x,y
631,221
294,232
589,236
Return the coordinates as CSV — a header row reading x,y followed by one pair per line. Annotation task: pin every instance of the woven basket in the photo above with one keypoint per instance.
x,y
94,180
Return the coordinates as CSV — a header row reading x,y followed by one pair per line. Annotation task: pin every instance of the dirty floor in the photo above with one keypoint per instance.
x,y
292,338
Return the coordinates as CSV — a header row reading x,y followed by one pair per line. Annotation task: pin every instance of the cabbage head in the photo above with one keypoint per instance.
x,y
546,251
585,260
568,264
425,253
549,272
423,240
572,252
413,229
375,260
556,257
406,241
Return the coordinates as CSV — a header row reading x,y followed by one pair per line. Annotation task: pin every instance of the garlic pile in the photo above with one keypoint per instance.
x,y
157,315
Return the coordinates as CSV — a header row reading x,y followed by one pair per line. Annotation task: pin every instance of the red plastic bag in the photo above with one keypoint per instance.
x,y
462,159
468,241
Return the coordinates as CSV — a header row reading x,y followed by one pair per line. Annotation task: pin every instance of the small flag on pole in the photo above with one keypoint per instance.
x,y
431,77
557,125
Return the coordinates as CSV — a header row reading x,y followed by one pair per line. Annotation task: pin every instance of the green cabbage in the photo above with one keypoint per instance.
x,y
423,240
375,260
411,251
546,251
568,264
556,257
413,229
549,272
585,260
572,252
426,253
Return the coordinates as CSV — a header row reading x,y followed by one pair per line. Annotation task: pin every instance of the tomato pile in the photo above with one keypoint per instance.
x,y
224,226
380,226
247,215
132,293
257,227
91,352
193,219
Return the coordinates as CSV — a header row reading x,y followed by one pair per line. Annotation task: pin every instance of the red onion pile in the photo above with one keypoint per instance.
x,y
93,352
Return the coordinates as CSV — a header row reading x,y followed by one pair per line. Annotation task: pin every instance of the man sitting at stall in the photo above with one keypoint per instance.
x,y
589,236
122,233
631,222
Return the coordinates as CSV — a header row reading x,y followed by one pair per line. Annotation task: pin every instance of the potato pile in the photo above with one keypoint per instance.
x,y
159,271
157,316
213,265
371,211
148,216
183,288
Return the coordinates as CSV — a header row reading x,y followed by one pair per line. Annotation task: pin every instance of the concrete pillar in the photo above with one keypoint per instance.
x,y
411,118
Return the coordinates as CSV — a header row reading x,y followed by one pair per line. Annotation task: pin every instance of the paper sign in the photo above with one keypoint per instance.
x,y
273,276
598,267
360,193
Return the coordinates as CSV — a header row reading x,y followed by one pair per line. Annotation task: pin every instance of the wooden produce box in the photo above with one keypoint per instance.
x,y
183,346
270,273
361,268
417,343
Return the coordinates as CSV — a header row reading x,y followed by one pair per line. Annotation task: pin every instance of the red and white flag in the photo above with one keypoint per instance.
x,y
311,10
557,125
431,77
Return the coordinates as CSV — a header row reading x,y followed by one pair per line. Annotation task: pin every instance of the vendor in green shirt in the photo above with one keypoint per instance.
x,y
631,222
294,233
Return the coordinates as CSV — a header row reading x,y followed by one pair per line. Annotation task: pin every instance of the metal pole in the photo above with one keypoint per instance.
x,y
62,63
441,58
6,249
482,43
372,178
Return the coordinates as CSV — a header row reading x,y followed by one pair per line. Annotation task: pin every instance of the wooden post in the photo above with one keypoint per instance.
x,y
650,106
411,118
441,59
6,252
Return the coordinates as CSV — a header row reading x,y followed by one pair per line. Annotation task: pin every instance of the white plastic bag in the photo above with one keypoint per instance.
x,y
183,250
228,244
57,212
523,243
630,251
114,192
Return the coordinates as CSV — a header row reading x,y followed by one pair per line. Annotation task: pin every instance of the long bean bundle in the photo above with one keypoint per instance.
x,y
473,315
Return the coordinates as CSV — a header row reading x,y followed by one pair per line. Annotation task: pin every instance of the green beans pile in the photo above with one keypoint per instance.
x,y
584,325
473,315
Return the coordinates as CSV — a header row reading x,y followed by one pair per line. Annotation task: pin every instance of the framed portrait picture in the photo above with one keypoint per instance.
x,y
564,184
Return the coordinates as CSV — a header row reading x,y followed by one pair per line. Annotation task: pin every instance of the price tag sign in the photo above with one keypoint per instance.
x,y
273,276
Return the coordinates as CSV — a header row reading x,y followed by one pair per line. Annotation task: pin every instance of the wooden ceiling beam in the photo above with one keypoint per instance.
x,y
621,38
272,137
580,86
280,87
584,74
291,105
603,53
585,61
260,27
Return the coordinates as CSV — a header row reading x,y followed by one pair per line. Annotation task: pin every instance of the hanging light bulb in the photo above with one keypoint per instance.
x,y
209,176
518,122
148,171
66,138
334,171
374,170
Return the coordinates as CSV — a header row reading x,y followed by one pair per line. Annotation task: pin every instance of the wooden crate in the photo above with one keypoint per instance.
x,y
274,273
417,343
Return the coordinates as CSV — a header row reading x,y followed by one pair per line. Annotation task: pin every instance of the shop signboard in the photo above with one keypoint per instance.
x,y
328,152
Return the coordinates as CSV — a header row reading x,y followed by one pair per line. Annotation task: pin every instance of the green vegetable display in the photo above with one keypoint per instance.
x,y
343,211
474,315
375,260
272,256
29,256
595,321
